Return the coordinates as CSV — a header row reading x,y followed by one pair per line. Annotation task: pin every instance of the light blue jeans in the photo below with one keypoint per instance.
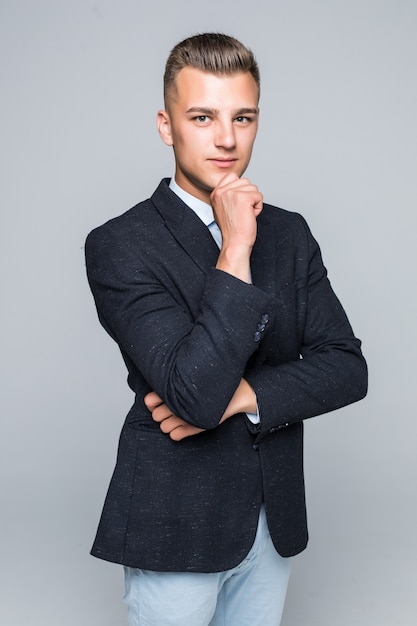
x,y
251,594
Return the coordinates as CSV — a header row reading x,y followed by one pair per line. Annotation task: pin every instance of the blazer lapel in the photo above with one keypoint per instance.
x,y
187,228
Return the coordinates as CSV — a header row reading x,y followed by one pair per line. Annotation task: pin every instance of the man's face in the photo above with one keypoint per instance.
x,y
211,124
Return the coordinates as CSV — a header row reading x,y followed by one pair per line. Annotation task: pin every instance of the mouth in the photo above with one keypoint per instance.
x,y
223,162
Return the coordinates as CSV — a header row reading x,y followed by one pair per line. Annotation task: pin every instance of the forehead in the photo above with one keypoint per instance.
x,y
194,87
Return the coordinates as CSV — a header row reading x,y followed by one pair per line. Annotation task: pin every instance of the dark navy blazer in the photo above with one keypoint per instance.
x,y
191,332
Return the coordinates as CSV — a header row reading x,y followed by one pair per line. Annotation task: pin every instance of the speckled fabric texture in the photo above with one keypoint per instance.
x,y
191,332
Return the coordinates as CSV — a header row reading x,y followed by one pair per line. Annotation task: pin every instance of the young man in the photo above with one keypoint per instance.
x,y
232,336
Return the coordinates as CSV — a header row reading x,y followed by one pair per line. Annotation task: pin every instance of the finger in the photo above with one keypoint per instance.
x,y
161,413
228,178
227,183
259,204
170,423
152,400
241,186
232,179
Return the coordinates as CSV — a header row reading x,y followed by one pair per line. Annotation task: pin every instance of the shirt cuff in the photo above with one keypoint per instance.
x,y
254,418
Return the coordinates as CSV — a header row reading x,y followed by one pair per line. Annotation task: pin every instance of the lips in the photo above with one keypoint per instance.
x,y
225,163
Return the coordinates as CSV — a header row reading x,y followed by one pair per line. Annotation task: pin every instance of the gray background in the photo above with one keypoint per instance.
x,y
81,83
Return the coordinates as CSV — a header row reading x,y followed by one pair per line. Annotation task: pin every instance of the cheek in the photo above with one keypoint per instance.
x,y
249,145
185,141
192,147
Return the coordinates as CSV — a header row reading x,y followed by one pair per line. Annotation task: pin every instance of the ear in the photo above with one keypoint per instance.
x,y
163,124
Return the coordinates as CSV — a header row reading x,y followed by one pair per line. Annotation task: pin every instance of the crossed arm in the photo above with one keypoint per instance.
x,y
243,401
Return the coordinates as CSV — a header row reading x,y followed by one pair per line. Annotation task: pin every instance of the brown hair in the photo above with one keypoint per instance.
x,y
209,52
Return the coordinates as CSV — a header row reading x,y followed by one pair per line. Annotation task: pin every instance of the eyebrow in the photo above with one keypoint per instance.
x,y
210,111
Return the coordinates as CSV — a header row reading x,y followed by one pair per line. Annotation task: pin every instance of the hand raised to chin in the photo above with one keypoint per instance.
x,y
236,204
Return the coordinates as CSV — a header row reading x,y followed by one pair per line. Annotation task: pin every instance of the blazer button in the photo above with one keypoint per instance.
x,y
257,336
265,318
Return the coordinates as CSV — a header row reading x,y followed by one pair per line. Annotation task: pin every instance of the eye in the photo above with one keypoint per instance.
x,y
202,119
243,119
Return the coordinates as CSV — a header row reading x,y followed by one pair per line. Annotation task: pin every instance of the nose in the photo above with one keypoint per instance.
x,y
225,135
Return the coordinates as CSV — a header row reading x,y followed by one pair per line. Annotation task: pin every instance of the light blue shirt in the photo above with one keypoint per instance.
x,y
201,209
205,212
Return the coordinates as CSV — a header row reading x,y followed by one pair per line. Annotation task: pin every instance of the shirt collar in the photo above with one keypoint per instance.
x,y
202,209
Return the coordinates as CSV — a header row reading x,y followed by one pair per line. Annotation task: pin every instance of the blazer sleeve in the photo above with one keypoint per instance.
x,y
183,359
330,371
